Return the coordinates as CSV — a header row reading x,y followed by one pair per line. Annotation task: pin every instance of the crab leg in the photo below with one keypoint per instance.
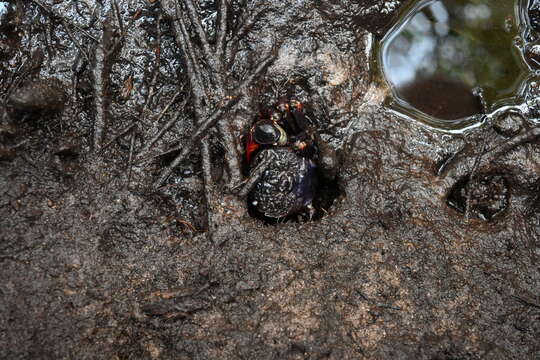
x,y
299,116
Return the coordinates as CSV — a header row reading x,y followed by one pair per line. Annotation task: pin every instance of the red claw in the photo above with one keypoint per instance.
x,y
251,147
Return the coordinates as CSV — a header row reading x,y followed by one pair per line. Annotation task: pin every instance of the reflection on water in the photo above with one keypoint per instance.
x,y
3,9
444,49
441,97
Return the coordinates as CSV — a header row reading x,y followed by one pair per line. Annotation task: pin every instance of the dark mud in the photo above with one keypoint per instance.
x,y
96,264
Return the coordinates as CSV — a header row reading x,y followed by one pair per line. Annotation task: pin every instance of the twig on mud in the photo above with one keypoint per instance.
x,y
368,227
526,302
181,293
130,159
209,188
187,224
259,69
256,174
207,69
527,137
246,26
201,34
460,169
149,96
63,20
103,61
151,92
118,17
221,28
118,136
74,41
191,57
167,126
231,157
200,133
198,93
472,175
100,75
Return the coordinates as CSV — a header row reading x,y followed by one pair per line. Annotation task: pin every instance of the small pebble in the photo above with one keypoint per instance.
x,y
509,124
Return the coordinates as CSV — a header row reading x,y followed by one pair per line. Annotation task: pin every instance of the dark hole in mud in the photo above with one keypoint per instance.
x,y
488,195
291,169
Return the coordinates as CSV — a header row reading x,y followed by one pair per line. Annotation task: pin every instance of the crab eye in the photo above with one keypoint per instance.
x,y
266,132
275,116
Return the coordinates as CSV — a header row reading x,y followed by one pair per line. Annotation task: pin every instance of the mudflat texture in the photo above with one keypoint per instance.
x,y
97,262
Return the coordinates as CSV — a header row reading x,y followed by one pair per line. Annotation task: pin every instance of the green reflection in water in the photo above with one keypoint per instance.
x,y
441,52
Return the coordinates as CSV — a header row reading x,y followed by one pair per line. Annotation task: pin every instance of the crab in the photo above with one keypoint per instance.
x,y
293,154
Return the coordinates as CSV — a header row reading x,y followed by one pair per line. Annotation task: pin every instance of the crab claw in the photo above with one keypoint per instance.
x,y
299,115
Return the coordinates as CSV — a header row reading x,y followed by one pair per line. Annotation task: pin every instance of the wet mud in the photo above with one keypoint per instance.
x,y
97,262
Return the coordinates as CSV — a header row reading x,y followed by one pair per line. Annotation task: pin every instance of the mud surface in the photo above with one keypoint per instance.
x,y
95,263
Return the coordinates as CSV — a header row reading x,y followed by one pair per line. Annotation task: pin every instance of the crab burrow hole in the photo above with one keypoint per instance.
x,y
292,169
485,196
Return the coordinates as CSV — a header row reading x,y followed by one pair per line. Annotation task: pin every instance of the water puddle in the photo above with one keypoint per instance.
x,y
6,12
447,62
